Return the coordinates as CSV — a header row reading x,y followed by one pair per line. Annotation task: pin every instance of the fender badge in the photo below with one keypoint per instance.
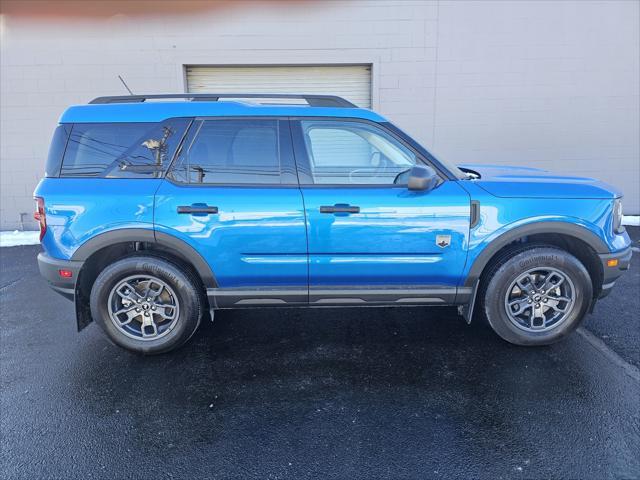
x,y
443,241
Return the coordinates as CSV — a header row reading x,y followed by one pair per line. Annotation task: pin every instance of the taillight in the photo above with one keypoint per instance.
x,y
40,216
65,273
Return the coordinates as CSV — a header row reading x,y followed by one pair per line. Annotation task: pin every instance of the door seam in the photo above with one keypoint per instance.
x,y
304,206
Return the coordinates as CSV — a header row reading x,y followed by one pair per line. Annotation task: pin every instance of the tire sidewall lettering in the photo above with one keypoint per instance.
x,y
161,272
540,260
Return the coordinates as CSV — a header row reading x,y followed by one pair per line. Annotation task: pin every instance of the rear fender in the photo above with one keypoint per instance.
x,y
167,242
163,241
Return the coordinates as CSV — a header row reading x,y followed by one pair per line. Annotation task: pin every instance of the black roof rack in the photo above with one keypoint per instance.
x,y
312,100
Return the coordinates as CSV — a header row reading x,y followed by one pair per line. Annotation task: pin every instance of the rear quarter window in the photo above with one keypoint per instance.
x,y
122,150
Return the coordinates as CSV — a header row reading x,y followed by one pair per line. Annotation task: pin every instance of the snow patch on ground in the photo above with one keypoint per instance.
x,y
15,238
632,221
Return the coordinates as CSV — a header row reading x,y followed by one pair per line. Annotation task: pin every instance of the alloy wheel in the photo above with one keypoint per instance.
x,y
540,299
143,307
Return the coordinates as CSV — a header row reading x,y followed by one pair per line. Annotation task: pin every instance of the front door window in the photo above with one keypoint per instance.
x,y
353,153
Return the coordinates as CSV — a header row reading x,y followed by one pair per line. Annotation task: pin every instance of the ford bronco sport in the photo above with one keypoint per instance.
x,y
157,210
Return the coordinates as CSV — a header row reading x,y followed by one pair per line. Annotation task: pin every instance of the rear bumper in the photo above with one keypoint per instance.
x,y
611,274
50,270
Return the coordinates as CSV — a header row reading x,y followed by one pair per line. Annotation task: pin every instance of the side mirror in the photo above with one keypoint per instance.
x,y
423,178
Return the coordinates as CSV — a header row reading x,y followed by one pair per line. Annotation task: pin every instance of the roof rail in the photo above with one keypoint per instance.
x,y
312,100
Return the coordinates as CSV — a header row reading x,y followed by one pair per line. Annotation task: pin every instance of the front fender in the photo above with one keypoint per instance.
x,y
483,249
504,220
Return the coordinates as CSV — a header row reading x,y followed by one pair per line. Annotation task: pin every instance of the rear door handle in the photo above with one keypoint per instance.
x,y
339,208
197,209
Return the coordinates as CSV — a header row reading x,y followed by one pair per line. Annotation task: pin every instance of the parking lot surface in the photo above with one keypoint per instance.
x,y
317,393
616,319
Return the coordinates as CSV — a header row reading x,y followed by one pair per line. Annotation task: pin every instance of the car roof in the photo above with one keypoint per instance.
x,y
158,111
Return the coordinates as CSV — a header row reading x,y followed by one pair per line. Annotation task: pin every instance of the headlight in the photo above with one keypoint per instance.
x,y
617,216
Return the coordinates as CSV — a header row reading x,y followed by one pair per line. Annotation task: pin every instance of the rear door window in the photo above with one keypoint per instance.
x,y
122,150
233,151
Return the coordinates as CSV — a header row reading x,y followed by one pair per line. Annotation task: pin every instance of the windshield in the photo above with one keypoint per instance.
x,y
437,161
461,173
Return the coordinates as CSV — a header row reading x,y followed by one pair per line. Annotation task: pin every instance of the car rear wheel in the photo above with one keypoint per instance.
x,y
146,304
536,295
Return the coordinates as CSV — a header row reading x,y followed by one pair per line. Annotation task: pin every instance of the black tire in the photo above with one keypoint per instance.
x,y
507,268
181,282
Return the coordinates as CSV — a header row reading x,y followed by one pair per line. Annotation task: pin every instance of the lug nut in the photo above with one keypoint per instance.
x,y
537,305
146,314
153,308
545,300
137,309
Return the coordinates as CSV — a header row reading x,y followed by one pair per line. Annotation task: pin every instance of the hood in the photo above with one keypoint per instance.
x,y
512,182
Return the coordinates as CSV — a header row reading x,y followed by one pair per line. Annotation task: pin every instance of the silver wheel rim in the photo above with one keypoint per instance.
x,y
143,307
540,299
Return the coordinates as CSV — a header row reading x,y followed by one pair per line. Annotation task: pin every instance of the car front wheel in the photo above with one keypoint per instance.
x,y
536,296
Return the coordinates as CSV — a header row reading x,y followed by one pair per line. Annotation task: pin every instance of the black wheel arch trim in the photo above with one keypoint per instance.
x,y
563,228
168,242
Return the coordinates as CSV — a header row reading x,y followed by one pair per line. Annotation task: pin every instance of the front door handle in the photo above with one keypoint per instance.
x,y
339,208
197,209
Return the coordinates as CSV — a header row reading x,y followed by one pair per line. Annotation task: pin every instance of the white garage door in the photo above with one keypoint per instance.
x,y
352,82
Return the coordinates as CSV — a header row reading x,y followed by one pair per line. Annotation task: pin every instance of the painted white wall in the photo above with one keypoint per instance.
x,y
548,84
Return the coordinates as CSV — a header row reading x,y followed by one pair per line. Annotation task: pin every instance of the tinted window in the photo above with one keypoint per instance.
x,y
56,150
235,151
342,152
129,150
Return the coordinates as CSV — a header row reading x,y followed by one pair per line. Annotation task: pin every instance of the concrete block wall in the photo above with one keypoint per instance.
x,y
548,84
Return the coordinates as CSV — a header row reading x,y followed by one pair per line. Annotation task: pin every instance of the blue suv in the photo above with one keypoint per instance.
x,y
157,210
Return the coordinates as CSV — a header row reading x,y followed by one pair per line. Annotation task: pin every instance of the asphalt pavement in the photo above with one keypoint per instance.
x,y
616,319
315,393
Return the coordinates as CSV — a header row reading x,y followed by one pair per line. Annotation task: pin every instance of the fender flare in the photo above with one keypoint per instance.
x,y
563,228
168,242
